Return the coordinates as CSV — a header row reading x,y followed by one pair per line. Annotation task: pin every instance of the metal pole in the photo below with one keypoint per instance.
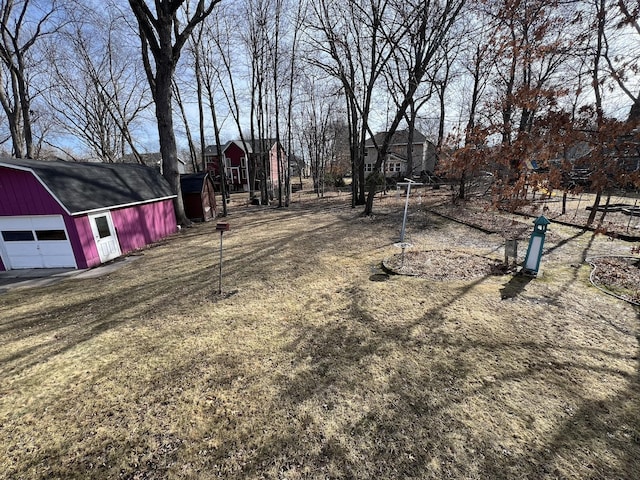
x,y
406,206
220,278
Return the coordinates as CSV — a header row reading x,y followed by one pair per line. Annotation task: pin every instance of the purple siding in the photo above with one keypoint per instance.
x,y
136,227
22,194
144,224
84,235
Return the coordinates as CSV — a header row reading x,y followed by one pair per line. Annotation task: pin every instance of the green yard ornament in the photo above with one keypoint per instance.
x,y
536,242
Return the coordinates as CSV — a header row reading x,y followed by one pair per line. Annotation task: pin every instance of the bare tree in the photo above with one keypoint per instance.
x,y
298,22
318,114
180,103
23,23
416,33
209,73
163,34
474,137
348,43
97,92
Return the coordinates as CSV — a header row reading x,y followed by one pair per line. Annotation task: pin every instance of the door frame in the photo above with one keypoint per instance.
x,y
117,251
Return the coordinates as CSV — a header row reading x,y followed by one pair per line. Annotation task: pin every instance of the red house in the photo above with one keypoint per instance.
x,y
235,156
79,215
236,167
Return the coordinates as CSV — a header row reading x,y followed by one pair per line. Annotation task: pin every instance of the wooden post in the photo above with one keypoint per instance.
x,y
221,227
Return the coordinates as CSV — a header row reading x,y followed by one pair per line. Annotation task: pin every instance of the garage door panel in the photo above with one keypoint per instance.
x,y
15,249
46,223
15,223
21,261
23,254
56,261
36,242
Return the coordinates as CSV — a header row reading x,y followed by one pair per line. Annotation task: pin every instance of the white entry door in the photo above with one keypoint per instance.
x,y
105,236
39,241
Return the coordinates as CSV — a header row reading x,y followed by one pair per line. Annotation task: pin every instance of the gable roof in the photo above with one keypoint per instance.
x,y
85,187
194,182
400,137
253,147
213,149
263,145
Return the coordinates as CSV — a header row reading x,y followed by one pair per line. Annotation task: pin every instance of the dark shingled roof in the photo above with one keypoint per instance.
x,y
83,187
193,182
400,137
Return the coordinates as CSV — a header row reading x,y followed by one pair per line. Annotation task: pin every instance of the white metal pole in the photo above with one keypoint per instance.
x,y
406,207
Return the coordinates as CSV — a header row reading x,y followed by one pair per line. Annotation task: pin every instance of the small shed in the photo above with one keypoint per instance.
x,y
198,196
79,215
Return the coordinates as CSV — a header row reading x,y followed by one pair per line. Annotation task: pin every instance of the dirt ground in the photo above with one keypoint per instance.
x,y
315,363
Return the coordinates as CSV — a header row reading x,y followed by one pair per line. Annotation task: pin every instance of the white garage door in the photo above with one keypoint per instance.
x,y
35,242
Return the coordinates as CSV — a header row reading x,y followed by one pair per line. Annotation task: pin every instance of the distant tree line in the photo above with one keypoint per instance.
x,y
494,83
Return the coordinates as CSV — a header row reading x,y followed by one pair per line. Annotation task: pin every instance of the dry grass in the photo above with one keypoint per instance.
x,y
311,370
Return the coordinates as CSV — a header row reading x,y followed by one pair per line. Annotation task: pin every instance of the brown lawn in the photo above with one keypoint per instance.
x,y
306,368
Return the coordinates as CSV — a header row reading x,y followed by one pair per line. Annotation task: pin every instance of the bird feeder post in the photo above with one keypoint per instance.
x,y
221,227
531,264
511,251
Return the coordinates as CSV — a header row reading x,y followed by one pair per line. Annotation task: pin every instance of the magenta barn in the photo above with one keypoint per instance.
x,y
79,215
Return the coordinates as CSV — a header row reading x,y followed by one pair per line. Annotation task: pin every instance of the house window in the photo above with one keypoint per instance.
x,y
18,236
103,227
368,167
393,167
243,162
227,162
50,235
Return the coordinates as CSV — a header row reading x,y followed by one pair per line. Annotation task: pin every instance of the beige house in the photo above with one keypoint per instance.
x,y
423,153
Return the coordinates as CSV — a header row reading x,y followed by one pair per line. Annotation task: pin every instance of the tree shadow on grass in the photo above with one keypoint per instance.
x,y
333,415
125,298
599,439
52,331
383,434
410,421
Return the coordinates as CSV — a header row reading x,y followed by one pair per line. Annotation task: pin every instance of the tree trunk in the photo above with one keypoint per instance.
x,y
594,208
605,210
413,113
26,118
221,166
16,137
200,95
168,148
187,129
